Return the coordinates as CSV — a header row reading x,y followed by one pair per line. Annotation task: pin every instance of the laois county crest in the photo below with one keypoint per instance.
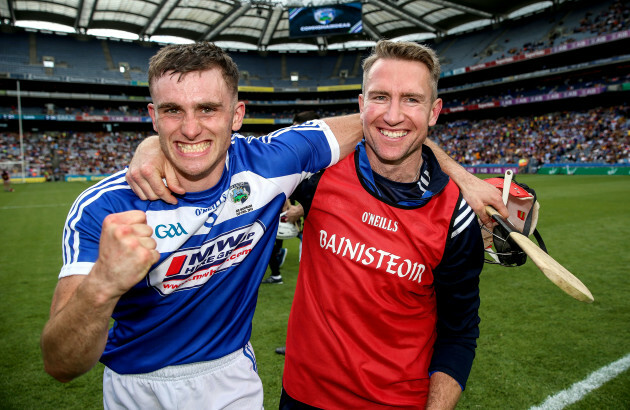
x,y
240,192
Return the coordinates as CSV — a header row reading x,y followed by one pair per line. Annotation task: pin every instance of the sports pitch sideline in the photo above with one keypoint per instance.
x,y
536,342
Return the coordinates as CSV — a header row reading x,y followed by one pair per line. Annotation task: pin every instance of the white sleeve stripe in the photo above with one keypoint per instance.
x,y
119,178
73,252
463,226
315,125
465,216
463,212
78,268
332,142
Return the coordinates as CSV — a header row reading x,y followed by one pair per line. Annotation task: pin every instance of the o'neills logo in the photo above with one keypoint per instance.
x,y
378,259
379,221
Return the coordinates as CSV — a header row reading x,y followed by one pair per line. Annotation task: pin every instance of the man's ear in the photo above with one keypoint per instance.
x,y
436,107
153,115
239,114
361,102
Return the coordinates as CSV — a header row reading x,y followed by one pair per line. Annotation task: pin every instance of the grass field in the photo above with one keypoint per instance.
x,y
535,340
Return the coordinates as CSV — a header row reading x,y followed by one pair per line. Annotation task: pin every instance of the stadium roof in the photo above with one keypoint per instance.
x,y
263,24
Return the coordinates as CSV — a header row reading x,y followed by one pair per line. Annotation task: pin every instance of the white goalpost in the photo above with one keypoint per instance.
x,y
21,162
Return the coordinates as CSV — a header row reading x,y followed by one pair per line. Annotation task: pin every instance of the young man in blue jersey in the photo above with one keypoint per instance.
x,y
181,281
386,309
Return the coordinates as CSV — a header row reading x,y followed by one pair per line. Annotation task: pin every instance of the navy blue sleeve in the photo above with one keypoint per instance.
x,y
305,192
456,281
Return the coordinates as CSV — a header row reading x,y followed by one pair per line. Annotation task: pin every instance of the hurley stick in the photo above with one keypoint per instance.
x,y
555,272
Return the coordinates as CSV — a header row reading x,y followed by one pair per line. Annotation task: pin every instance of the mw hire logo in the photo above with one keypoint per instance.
x,y
191,268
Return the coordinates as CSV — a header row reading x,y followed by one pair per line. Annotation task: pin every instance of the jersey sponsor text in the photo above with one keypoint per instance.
x,y
368,255
191,268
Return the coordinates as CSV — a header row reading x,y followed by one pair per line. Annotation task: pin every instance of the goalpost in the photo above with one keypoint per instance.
x,y
21,162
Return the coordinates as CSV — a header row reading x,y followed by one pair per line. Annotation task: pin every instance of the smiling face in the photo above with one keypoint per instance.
x,y
194,116
397,111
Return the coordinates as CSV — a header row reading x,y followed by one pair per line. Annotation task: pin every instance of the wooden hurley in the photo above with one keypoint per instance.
x,y
556,273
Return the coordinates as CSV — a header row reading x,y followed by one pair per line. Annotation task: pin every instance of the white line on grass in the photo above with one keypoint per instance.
x,y
32,206
580,389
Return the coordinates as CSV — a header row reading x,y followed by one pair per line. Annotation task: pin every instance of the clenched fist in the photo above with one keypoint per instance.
x,y
126,252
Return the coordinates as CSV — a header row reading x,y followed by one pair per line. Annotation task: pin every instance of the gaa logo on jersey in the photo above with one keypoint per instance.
x,y
170,231
240,192
324,16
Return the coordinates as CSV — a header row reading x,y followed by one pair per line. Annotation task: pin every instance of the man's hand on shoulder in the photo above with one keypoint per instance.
x,y
478,194
146,170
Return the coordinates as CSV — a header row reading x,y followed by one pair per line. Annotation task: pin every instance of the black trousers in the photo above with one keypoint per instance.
x,y
274,262
289,403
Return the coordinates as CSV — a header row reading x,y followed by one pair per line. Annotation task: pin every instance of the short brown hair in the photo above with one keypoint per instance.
x,y
185,58
405,50
304,116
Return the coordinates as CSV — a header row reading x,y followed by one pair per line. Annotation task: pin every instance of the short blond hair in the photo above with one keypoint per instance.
x,y
405,50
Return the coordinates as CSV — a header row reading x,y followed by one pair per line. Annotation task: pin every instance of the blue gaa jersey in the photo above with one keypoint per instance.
x,y
197,303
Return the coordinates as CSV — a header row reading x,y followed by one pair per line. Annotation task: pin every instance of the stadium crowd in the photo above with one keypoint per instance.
x,y
600,135
611,20
615,18
57,154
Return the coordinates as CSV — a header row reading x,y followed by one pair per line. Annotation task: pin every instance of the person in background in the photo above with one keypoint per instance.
x,y
6,180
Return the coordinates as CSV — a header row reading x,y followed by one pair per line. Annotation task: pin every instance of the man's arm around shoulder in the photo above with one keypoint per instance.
x,y
477,193
348,130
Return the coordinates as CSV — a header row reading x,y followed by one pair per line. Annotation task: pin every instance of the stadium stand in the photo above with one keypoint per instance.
x,y
565,101
599,135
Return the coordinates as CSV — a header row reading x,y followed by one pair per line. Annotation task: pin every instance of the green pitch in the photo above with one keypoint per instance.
x,y
535,340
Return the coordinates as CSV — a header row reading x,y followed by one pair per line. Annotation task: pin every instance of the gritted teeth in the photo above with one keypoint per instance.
x,y
187,148
393,134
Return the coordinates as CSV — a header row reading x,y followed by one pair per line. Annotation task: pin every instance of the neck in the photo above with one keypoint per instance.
x,y
198,183
400,173
406,171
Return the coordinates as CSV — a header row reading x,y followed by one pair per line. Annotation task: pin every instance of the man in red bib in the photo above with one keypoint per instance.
x,y
385,312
